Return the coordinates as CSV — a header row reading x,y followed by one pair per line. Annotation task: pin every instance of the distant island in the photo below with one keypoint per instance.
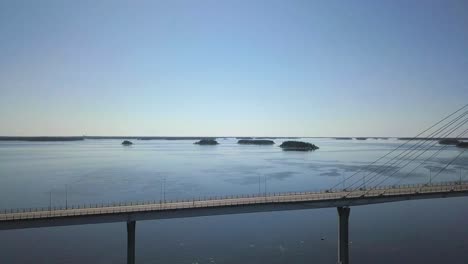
x,y
127,143
255,142
462,144
244,138
298,146
343,138
449,141
361,138
207,142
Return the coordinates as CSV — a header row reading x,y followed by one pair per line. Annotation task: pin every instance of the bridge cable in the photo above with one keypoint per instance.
x,y
427,159
380,174
400,146
432,156
448,164
408,151
424,150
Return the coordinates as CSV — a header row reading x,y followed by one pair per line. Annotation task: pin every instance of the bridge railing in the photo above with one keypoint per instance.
x,y
230,200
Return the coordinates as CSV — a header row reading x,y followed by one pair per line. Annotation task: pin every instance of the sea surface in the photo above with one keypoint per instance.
x,y
43,174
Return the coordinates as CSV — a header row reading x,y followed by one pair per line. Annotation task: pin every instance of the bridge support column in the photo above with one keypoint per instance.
x,y
343,235
131,242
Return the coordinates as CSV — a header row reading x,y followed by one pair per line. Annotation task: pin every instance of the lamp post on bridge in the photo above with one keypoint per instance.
x,y
460,175
264,187
430,175
164,189
50,202
162,192
259,189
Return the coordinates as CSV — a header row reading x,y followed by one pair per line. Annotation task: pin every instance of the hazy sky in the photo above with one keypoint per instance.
x,y
241,67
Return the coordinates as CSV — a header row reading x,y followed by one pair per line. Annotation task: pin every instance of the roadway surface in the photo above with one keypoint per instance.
x,y
228,205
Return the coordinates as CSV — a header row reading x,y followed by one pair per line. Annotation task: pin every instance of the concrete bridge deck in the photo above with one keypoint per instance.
x,y
228,205
130,213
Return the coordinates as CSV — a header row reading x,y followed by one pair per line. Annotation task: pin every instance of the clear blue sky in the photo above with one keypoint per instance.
x,y
241,67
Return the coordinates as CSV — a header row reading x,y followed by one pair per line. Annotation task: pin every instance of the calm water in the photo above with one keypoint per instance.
x,y
95,171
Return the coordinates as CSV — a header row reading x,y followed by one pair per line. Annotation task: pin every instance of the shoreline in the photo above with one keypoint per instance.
x,y
80,138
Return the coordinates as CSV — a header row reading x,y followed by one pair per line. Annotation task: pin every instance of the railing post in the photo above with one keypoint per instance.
x,y
343,235
131,242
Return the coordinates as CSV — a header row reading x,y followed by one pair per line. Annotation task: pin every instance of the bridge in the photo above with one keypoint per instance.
x,y
240,204
368,185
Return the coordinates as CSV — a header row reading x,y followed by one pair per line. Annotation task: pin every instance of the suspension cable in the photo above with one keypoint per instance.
x,y
413,159
400,146
384,167
432,156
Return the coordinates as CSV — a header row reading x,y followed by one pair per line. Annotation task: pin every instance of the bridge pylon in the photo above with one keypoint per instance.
x,y
130,242
343,235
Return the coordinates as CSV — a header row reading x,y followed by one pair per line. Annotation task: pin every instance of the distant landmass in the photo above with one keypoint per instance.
x,y
298,146
127,143
149,138
425,138
207,142
255,142
77,138
41,138
449,141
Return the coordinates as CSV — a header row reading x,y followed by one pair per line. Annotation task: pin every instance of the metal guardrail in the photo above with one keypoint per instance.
x,y
234,200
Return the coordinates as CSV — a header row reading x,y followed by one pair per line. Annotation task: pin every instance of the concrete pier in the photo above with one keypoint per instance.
x,y
343,235
131,242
